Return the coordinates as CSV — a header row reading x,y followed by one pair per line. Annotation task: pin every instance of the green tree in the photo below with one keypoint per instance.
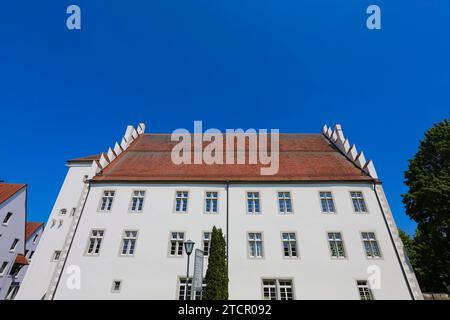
x,y
217,274
428,203
408,243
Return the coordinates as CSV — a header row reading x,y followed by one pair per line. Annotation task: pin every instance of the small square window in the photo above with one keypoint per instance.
x,y
56,255
116,286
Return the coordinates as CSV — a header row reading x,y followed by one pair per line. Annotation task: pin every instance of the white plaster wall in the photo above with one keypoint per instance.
x,y
40,271
152,274
316,275
14,229
30,246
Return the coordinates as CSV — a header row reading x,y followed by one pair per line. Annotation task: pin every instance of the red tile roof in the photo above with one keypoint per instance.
x,y
7,190
31,228
86,159
21,259
303,157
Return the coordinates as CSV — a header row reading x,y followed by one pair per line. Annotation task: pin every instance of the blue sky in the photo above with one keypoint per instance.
x,y
291,64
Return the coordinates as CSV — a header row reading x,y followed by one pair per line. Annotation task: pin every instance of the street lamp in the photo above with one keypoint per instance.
x,y
188,246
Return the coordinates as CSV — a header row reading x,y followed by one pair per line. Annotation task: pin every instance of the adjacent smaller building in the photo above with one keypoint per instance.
x,y
18,239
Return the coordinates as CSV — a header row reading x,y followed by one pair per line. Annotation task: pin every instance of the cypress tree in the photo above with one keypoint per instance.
x,y
216,275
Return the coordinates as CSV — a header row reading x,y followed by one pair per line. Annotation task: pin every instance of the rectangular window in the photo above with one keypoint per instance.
x,y
253,205
129,243
31,254
289,244
211,202
72,212
107,201
7,218
176,244
270,289
3,268
137,201
196,295
35,238
326,199
364,291
56,255
13,245
116,286
95,242
206,243
274,289
336,245
181,201
255,245
371,245
284,202
359,204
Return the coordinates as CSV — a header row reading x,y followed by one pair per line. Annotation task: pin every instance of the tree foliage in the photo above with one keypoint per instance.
x,y
217,274
428,203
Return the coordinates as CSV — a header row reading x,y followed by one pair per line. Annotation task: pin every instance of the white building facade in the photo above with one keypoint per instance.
x,y
321,228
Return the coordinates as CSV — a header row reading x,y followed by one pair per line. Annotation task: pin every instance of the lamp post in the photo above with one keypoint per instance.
x,y
188,246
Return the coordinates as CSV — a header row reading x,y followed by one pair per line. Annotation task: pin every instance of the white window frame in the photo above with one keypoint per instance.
x,y
131,244
254,200
108,196
211,199
327,198
358,196
181,283
290,256
180,242
204,240
183,197
338,257
96,244
254,242
277,286
285,200
371,245
137,196
364,290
